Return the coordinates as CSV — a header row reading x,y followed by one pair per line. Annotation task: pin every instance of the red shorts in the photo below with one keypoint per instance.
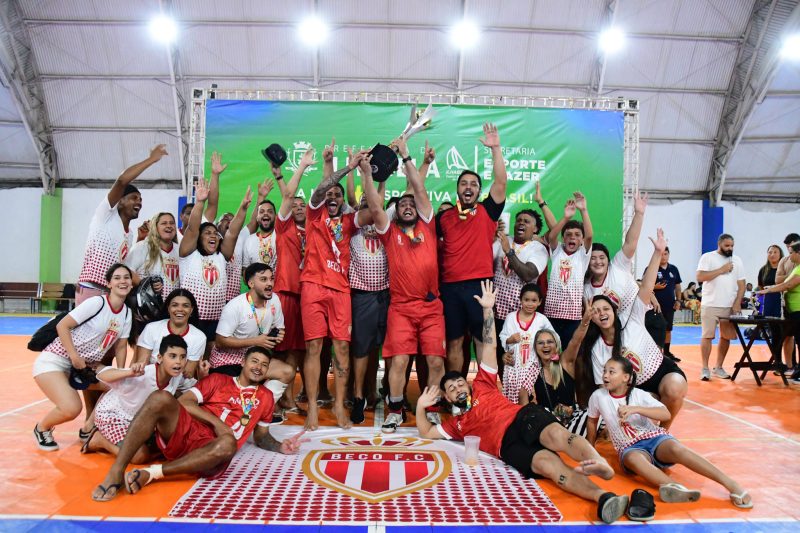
x,y
293,338
190,434
326,312
414,325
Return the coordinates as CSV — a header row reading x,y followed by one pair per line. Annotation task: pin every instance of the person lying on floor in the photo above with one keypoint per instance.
x,y
527,438
643,447
200,432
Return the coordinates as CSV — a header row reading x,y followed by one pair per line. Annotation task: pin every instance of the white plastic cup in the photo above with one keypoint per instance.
x,y
472,446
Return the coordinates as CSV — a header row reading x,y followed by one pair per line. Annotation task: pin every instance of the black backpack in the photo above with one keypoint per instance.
x,y
47,333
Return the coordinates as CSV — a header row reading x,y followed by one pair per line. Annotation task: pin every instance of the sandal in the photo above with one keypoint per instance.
x,y
611,507
84,435
677,493
642,508
105,497
132,480
738,500
85,448
296,410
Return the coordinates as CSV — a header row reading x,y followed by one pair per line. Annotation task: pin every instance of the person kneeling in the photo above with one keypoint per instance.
x,y
200,432
527,438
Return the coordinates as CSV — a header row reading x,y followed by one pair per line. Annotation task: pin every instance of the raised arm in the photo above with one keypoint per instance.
x,y
374,199
133,172
429,156
327,159
334,178
549,217
486,299
526,271
553,233
217,168
635,229
491,140
261,195
192,230
229,242
288,193
416,182
570,354
650,276
588,233
278,175
350,187
429,397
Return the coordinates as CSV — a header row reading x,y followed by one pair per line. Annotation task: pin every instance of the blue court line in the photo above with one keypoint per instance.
x,y
21,325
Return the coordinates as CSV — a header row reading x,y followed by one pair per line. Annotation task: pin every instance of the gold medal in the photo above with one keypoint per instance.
x,y
244,420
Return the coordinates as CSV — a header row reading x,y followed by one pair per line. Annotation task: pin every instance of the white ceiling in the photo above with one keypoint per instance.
x,y
106,82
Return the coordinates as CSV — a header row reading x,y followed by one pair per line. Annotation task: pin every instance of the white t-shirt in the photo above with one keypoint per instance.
x,y
107,243
238,321
154,332
637,346
721,291
565,283
619,284
93,338
167,268
506,281
128,395
234,267
525,369
259,249
206,277
636,428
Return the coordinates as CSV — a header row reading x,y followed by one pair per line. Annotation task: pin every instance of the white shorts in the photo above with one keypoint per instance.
x,y
50,362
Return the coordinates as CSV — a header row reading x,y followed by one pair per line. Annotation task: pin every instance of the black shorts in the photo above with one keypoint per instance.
x,y
655,326
521,440
669,316
667,366
209,329
462,313
370,309
792,326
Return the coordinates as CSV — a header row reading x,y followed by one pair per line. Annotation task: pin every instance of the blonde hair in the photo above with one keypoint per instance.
x,y
154,241
555,367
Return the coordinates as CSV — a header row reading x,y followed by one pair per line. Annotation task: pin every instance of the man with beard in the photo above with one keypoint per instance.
x,y
325,288
415,311
527,438
200,432
569,261
466,235
261,247
109,239
723,279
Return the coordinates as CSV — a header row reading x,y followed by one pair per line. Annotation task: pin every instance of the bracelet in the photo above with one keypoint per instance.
x,y
511,253
278,177
406,159
541,205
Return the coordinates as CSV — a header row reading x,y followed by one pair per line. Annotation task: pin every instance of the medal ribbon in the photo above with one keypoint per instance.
x,y
255,314
462,213
335,229
265,248
247,405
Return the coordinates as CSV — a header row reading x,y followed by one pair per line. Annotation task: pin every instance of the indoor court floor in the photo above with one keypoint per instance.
x,y
751,432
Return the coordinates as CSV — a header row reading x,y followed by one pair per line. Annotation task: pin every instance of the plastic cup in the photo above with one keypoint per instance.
x,y
472,445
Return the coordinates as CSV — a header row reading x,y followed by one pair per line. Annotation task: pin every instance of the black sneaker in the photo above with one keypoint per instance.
x,y
357,411
44,439
611,507
673,357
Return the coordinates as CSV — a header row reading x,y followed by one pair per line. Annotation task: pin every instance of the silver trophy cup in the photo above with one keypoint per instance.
x,y
418,121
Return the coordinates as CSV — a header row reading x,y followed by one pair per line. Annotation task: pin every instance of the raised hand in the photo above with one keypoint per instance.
x,y
570,209
487,297
490,139
580,200
364,163
400,146
538,195
640,202
505,245
308,159
430,154
327,153
292,445
201,190
159,151
660,242
248,197
265,188
429,397
216,164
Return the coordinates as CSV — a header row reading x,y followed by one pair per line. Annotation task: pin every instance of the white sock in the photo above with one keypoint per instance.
x,y
156,472
277,387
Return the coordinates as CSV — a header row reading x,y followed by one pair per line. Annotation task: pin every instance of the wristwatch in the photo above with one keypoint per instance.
x,y
278,177
541,205
511,253
406,159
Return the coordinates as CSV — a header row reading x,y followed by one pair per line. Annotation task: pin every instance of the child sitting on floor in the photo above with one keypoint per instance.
x,y
130,387
644,448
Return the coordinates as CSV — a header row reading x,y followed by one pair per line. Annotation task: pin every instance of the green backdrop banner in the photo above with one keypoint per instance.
x,y
568,150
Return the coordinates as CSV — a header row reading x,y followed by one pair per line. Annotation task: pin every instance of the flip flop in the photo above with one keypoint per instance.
x,y
738,500
85,448
677,493
132,478
296,410
102,497
83,435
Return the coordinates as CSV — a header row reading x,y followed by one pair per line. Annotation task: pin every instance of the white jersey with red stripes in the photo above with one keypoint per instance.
x,y
206,277
166,266
107,243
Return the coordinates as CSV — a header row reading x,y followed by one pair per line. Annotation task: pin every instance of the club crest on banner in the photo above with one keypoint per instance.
x,y
296,154
375,469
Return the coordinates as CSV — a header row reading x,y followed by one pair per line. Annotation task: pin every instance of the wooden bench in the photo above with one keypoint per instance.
x,y
18,292
52,292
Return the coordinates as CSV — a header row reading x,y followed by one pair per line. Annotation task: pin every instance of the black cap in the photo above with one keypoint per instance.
x,y
275,154
384,162
81,379
130,189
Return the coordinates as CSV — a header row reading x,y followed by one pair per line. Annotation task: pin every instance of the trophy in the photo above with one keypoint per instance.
x,y
384,159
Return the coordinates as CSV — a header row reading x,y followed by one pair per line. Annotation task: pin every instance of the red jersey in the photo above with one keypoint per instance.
x,y
327,258
221,396
490,416
413,266
466,244
290,244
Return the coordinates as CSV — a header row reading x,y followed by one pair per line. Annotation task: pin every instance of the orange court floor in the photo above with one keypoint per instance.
x,y
750,432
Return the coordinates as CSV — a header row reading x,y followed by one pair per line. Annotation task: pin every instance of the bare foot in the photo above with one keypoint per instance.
x,y
312,418
592,467
342,417
136,479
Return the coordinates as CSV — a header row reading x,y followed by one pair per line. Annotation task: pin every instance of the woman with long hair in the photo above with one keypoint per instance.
x,y
157,254
766,277
606,335
98,325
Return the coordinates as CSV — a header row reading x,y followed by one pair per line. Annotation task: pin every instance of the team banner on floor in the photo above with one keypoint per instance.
x,y
360,476
566,149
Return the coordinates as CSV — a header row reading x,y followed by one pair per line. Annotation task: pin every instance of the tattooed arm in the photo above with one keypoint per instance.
x,y
488,354
265,441
326,183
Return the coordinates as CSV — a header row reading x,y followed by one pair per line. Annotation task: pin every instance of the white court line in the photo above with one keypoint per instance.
x,y
18,409
745,422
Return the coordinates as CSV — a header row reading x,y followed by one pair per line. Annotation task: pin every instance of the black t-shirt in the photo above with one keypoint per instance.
x,y
670,276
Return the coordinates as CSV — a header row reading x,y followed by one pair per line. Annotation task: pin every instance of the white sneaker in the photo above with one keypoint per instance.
x,y
705,374
391,422
433,417
719,372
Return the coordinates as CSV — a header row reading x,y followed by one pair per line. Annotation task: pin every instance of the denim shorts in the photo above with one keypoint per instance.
x,y
648,446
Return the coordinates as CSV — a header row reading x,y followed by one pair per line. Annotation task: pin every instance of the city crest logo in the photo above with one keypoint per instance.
x,y
375,469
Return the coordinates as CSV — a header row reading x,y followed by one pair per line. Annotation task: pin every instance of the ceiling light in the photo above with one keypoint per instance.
x,y
791,47
464,34
611,40
163,29
313,31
